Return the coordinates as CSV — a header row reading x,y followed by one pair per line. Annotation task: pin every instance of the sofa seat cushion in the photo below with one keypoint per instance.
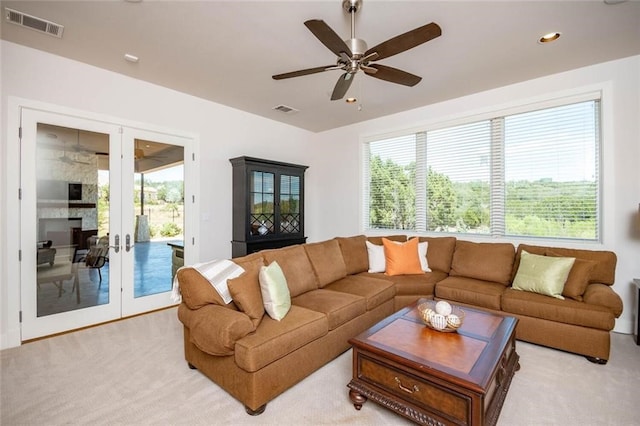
x,y
374,290
409,285
215,329
484,294
276,339
338,307
565,311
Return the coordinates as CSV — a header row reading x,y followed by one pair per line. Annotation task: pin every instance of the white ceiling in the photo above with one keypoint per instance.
x,y
227,51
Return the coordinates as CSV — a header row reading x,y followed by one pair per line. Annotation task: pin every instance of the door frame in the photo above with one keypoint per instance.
x,y
13,248
32,325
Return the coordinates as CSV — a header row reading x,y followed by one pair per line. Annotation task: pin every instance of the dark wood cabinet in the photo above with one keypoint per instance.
x,y
268,205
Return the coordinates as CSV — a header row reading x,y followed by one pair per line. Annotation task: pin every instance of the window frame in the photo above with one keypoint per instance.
x,y
593,93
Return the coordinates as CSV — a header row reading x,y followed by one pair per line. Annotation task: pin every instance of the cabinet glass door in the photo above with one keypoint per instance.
x,y
289,204
262,209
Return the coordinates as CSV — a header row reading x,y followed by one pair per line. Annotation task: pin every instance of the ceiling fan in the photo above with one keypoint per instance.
x,y
68,160
354,56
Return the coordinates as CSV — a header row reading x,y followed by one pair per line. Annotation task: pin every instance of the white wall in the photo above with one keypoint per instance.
x,y
337,159
222,132
333,180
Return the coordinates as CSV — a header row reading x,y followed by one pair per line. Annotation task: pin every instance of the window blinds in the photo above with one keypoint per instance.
x,y
534,173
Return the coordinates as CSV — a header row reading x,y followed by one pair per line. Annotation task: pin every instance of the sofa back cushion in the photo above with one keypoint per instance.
x,y
483,261
296,267
440,252
603,272
378,240
327,261
354,253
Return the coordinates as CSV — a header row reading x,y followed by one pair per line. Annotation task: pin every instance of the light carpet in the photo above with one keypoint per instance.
x,y
133,372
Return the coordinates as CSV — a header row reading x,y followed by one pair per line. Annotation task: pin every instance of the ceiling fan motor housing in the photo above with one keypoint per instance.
x,y
351,5
357,46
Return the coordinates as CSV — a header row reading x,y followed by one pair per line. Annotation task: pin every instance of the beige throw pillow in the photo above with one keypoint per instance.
x,y
274,290
542,274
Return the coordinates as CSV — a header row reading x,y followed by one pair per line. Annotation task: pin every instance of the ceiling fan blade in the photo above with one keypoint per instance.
x,y
393,75
406,41
303,72
328,37
343,84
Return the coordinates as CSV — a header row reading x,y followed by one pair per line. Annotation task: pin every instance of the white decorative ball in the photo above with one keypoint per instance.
x,y
454,321
443,308
428,314
439,322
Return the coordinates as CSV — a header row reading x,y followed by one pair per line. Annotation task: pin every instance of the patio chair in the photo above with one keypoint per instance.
x,y
98,255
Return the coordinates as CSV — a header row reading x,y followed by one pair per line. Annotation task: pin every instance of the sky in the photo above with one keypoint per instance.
x,y
169,174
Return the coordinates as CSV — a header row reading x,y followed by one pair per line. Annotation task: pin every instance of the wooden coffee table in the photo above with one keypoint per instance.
x,y
436,378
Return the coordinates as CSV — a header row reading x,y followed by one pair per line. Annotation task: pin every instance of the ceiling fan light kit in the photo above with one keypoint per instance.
x,y
353,54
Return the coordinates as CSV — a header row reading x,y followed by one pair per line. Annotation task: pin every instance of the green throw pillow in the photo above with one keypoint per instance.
x,y
275,292
543,274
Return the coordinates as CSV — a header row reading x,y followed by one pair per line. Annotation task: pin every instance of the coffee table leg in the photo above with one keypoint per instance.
x,y
357,399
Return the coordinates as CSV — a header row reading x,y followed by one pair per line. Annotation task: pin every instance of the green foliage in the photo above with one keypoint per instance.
x,y
289,205
170,229
441,202
542,208
392,201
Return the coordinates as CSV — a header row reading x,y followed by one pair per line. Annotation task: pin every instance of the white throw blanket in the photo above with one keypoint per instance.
x,y
217,272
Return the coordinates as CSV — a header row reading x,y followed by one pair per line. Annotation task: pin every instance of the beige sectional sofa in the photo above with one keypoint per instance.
x,y
334,297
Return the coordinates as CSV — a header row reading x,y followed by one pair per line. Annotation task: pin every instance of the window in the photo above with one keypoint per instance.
x,y
533,174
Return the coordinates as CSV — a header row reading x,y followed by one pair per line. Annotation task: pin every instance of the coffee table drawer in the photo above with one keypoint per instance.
x,y
435,398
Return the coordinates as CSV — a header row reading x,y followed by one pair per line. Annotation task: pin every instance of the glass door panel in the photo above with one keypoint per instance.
x,y
289,204
262,216
72,260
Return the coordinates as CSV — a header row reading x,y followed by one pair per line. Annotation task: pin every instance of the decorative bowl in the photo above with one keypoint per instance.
x,y
441,315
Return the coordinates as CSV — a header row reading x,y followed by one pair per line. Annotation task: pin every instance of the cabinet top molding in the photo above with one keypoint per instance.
x,y
245,159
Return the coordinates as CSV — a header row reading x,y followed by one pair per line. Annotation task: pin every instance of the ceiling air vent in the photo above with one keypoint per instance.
x,y
38,24
285,109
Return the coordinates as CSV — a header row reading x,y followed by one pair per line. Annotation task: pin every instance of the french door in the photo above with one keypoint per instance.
x,y
102,218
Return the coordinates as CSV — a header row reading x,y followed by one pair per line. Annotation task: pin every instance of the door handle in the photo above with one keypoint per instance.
x,y
127,242
116,240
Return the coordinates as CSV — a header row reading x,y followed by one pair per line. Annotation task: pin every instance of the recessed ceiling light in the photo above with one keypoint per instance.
x,y
548,38
351,100
131,58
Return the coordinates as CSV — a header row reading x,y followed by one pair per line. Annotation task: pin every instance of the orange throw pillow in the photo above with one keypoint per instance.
x,y
402,258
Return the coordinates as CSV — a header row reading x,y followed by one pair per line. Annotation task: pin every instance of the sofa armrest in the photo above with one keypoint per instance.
x,y
215,329
603,295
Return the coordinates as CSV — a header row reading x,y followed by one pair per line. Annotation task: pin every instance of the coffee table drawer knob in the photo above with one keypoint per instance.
x,y
406,389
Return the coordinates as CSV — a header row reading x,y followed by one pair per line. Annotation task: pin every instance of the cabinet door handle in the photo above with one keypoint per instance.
x,y
406,389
